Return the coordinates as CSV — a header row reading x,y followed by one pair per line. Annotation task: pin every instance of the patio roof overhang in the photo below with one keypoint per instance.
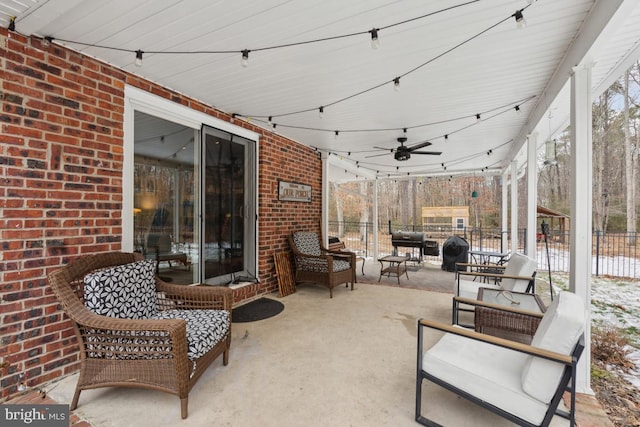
x,y
453,61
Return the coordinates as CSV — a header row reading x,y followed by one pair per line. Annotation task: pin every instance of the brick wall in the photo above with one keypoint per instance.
x,y
61,193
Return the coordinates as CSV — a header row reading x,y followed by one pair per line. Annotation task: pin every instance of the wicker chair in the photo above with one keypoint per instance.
x,y
518,275
147,353
317,264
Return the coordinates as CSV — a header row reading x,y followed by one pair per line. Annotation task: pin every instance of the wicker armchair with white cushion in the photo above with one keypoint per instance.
x,y
134,330
523,383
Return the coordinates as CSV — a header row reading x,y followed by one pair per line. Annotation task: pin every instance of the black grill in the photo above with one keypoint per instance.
x,y
455,249
409,239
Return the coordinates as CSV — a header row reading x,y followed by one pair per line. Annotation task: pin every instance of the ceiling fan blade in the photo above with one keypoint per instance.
x,y
376,155
419,146
433,153
391,150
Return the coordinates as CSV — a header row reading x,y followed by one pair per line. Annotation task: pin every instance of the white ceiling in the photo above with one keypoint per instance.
x,y
470,60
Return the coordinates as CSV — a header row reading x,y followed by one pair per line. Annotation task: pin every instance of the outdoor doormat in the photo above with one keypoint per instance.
x,y
259,309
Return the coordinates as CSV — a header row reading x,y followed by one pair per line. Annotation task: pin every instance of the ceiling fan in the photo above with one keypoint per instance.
x,y
403,153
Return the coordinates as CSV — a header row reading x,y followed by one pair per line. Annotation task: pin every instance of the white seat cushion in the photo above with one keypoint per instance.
x,y
486,371
518,265
559,331
469,288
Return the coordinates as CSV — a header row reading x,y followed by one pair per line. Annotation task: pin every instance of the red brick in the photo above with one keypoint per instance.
x,y
74,139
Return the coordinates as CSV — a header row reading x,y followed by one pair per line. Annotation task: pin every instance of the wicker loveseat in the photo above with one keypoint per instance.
x,y
134,330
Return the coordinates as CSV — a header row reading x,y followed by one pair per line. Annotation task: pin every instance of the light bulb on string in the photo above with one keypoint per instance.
x,y
478,118
138,61
321,112
375,41
520,21
336,135
245,58
396,84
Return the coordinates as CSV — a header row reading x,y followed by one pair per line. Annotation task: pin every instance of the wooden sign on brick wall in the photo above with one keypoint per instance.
x,y
293,192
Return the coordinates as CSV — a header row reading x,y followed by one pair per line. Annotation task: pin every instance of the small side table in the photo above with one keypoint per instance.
x,y
396,268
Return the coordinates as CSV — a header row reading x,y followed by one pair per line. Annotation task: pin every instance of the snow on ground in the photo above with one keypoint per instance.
x,y
614,303
619,266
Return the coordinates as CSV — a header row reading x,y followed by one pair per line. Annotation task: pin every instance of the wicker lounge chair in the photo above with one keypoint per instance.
x,y
165,343
317,264
518,275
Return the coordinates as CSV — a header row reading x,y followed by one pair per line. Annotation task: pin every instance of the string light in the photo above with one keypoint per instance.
x,y
245,58
375,41
517,108
378,172
321,112
519,17
396,84
47,41
336,135
478,117
12,24
245,52
138,61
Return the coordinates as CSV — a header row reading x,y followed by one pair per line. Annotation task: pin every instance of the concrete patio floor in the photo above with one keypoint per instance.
x,y
346,361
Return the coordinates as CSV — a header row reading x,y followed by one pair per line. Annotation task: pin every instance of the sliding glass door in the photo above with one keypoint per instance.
x,y
229,215
194,201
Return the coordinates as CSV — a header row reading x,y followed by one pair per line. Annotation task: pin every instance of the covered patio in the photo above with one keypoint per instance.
x,y
315,93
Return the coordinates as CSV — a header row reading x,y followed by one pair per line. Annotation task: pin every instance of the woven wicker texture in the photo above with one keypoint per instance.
x,y
156,352
328,276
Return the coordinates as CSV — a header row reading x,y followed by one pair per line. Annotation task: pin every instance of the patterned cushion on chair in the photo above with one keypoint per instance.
x,y
205,328
125,291
307,242
320,265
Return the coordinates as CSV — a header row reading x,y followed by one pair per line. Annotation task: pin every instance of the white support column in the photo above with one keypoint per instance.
x,y
375,219
504,212
324,221
532,194
581,207
514,207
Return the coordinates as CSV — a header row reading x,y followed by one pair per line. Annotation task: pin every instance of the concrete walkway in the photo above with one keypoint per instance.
x,y
346,361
